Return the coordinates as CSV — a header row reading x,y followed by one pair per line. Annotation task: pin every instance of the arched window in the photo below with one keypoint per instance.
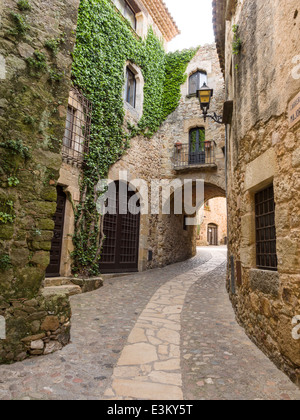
x,y
196,81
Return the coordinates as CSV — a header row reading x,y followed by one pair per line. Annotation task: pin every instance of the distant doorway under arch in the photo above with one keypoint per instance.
x,y
212,234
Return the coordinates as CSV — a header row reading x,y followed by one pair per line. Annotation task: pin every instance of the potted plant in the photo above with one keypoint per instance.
x,y
178,146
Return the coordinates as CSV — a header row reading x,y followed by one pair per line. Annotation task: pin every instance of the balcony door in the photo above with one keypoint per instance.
x,y
197,146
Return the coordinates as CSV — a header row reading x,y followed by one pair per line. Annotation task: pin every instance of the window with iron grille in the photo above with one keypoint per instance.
x,y
77,129
266,254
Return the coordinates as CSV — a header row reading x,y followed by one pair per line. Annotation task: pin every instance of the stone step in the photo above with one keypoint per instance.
x,y
69,290
57,281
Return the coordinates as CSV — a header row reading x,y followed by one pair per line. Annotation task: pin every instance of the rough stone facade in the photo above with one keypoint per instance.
x,y
263,148
213,213
165,235
34,89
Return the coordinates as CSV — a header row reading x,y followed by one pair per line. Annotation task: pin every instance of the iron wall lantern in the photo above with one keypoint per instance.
x,y
204,95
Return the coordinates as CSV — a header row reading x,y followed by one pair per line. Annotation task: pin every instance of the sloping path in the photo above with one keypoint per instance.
x,y
149,366
195,349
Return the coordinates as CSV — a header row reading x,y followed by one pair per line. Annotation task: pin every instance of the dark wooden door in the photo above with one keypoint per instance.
x,y
121,245
53,269
212,235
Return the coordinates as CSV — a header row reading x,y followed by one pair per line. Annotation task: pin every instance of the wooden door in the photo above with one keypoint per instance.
x,y
121,245
212,235
53,269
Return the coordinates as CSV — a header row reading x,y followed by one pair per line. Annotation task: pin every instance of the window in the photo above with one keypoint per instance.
x,y
266,255
130,90
196,81
126,11
77,129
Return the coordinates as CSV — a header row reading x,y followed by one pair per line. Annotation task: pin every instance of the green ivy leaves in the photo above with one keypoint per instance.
x,y
105,42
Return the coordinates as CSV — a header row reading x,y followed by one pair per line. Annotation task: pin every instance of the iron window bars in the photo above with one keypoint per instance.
x,y
266,254
77,129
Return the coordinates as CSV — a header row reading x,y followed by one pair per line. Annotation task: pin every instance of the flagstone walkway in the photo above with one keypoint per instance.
x,y
165,334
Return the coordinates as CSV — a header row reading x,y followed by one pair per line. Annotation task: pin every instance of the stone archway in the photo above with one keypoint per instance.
x,y
177,237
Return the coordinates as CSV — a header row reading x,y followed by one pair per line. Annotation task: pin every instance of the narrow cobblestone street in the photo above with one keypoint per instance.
x,y
164,334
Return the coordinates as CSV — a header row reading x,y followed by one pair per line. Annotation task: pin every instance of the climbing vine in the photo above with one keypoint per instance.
x,y
105,42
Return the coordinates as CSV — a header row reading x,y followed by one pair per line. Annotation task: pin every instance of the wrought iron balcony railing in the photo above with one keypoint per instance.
x,y
200,154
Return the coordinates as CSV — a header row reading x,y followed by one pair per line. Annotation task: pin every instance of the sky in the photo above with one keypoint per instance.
x,y
194,19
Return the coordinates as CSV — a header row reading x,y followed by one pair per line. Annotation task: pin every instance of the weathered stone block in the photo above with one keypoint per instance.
x,y
6,231
51,323
41,259
264,281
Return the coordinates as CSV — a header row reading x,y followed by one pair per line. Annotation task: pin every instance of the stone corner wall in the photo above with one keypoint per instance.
x,y
35,67
264,149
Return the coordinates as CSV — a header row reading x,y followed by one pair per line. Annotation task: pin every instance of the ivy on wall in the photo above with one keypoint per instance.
x,y
105,42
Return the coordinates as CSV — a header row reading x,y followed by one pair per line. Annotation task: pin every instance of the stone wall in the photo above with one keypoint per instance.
x,y
264,149
177,244
34,89
153,159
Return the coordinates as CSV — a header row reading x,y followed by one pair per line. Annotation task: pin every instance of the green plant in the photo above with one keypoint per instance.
x,y
54,44
55,75
237,42
29,120
21,24
16,147
24,5
7,214
5,262
13,181
105,42
37,62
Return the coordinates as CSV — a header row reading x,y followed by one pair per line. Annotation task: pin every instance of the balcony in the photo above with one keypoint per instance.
x,y
198,157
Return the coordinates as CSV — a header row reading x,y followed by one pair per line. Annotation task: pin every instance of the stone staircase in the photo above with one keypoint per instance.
x,y
70,286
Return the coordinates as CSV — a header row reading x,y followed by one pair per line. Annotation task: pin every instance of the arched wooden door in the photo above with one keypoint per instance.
x,y
212,234
120,250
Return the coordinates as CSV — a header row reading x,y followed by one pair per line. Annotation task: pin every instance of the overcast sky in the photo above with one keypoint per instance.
x,y
194,19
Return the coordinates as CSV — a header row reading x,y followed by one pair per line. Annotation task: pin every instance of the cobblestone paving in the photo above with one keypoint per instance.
x,y
101,323
217,359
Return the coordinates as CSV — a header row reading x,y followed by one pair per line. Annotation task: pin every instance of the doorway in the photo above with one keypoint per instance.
x,y
197,146
53,269
120,250
212,235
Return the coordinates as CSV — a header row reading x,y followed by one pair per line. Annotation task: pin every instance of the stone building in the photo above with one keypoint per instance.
x,y
212,225
46,125
165,239
258,46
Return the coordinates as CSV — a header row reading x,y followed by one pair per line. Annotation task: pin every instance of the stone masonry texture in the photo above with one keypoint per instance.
x,y
34,89
216,359
263,149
